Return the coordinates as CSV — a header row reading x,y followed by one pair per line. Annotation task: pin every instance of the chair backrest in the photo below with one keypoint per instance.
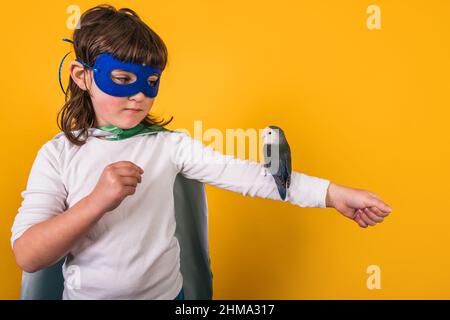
x,y
191,214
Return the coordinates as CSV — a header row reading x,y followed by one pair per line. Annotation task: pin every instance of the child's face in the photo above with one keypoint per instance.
x,y
111,110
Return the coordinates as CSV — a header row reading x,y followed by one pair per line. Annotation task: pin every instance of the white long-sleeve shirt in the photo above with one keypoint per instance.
x,y
131,252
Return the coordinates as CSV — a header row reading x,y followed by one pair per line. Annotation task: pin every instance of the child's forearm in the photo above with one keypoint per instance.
x,y
47,242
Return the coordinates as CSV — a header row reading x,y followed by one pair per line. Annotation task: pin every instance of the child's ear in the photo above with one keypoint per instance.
x,y
78,74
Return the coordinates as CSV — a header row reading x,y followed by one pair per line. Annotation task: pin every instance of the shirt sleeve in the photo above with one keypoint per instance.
x,y
45,194
196,161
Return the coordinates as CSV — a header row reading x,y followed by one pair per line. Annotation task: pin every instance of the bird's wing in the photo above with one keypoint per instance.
x,y
284,175
281,186
289,167
285,167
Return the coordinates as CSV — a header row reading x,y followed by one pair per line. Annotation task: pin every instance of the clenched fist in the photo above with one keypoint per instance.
x,y
117,181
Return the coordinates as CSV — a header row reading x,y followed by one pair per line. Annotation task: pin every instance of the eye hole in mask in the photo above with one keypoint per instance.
x,y
124,77
153,79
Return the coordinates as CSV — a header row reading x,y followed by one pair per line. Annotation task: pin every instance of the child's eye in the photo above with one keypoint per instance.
x,y
122,76
153,79
121,80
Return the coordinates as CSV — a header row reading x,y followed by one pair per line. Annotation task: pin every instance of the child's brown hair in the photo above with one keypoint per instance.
x,y
106,29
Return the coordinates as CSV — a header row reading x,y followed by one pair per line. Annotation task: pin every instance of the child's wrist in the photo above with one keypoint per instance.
x,y
328,198
92,208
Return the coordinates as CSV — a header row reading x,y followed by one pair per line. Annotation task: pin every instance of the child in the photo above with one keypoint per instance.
x,y
82,200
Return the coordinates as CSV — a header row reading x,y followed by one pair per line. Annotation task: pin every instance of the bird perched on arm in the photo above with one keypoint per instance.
x,y
277,158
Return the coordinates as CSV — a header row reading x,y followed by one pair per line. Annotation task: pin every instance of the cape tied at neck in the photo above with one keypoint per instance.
x,y
121,134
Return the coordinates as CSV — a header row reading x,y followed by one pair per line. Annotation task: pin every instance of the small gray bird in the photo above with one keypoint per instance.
x,y
277,158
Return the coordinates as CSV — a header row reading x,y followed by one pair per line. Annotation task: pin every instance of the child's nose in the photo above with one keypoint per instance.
x,y
138,96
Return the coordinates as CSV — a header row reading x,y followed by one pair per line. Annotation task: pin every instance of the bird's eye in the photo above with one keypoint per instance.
x,y
270,132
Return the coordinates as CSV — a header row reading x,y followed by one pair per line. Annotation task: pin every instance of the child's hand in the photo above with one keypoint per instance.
x,y
118,180
362,206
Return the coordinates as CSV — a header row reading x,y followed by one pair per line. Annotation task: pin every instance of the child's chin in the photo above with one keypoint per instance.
x,y
129,124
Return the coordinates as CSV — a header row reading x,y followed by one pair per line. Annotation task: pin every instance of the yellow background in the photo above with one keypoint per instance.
x,y
363,108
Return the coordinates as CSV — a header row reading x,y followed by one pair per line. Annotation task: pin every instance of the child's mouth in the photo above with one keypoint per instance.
x,y
133,110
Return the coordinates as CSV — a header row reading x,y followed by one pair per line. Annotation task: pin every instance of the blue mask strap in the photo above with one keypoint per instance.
x,y
62,61
60,66
85,64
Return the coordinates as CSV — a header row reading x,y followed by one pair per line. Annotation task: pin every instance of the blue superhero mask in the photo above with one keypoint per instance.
x,y
106,63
